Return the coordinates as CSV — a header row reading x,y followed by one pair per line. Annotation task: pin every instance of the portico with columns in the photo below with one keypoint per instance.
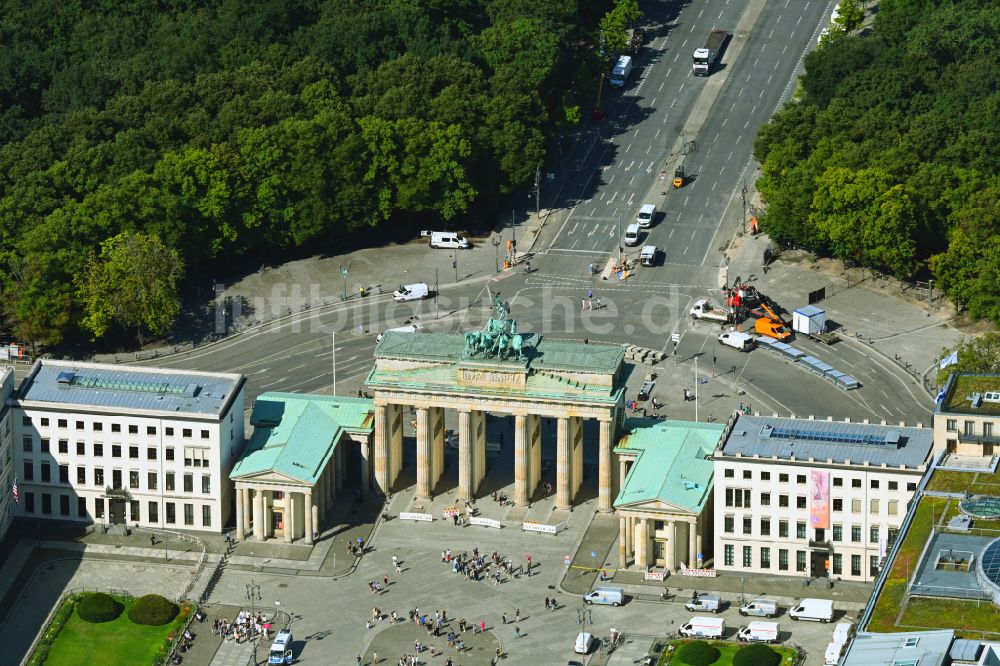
x,y
665,503
303,450
429,373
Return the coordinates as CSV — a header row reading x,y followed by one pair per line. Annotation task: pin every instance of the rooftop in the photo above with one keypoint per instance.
x,y
540,353
295,434
967,393
125,388
927,648
829,441
674,463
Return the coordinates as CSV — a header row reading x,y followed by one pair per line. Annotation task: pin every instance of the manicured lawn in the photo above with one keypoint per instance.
x,y
965,617
115,643
728,651
976,483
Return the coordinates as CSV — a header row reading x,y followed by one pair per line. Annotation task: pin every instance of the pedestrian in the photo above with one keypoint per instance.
x,y
546,603
359,660
152,540
583,304
503,618
517,615
229,539
482,626
385,580
374,657
517,632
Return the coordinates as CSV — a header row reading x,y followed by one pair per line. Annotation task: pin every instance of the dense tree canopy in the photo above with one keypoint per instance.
x,y
225,129
891,157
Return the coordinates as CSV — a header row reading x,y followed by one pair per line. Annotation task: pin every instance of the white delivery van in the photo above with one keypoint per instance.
x,y
817,610
647,257
281,648
842,632
621,70
834,651
760,608
704,627
411,292
632,235
759,632
412,328
704,602
736,340
646,216
449,240
608,596
583,642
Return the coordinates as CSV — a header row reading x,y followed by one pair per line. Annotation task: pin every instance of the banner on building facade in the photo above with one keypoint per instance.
x,y
819,492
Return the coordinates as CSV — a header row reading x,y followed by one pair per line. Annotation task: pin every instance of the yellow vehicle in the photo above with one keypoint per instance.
x,y
679,176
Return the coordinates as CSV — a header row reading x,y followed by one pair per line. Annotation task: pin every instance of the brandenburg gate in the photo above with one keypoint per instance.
x,y
496,370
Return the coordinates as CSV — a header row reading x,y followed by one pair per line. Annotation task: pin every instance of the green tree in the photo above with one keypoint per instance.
x,y
615,24
852,14
133,283
979,355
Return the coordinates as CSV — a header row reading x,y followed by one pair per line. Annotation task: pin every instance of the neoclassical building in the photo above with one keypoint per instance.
x,y
433,372
302,449
665,503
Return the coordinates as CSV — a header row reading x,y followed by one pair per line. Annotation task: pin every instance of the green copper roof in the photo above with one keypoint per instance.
x,y
674,462
295,434
540,353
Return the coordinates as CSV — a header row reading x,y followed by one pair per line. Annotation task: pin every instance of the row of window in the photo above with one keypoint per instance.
x,y
836,560
837,530
838,481
134,509
152,478
193,457
969,427
740,498
97,426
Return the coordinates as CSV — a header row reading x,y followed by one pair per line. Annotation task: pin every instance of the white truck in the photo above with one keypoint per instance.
x,y
705,309
704,627
737,340
817,610
811,321
704,58
621,71
759,632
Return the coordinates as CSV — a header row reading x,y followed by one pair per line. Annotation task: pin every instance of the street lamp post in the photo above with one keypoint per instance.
x,y
496,246
743,195
454,264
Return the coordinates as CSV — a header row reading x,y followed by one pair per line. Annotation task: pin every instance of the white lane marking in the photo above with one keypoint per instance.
x,y
631,181
753,109
631,198
681,89
731,154
627,146
663,83
630,165
725,120
573,230
738,137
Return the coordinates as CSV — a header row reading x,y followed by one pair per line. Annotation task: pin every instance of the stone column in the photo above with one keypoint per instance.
x,y
338,470
247,511
563,464
692,545
309,511
367,453
522,463
535,457
629,537
671,550
641,543
396,445
239,514
622,549
478,449
320,489
465,465
698,545
437,446
577,445
424,461
383,442
258,514
604,490
289,517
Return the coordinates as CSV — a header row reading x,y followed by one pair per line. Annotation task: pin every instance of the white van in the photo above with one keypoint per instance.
x,y
704,602
759,632
646,216
411,292
760,608
583,643
647,257
608,596
834,651
449,241
736,340
704,627
412,328
281,648
632,235
816,610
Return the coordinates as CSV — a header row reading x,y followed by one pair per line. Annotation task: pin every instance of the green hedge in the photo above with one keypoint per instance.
x,y
152,610
41,653
757,655
99,607
698,653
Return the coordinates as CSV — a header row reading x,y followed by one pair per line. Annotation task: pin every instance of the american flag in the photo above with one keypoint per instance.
x,y
14,491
